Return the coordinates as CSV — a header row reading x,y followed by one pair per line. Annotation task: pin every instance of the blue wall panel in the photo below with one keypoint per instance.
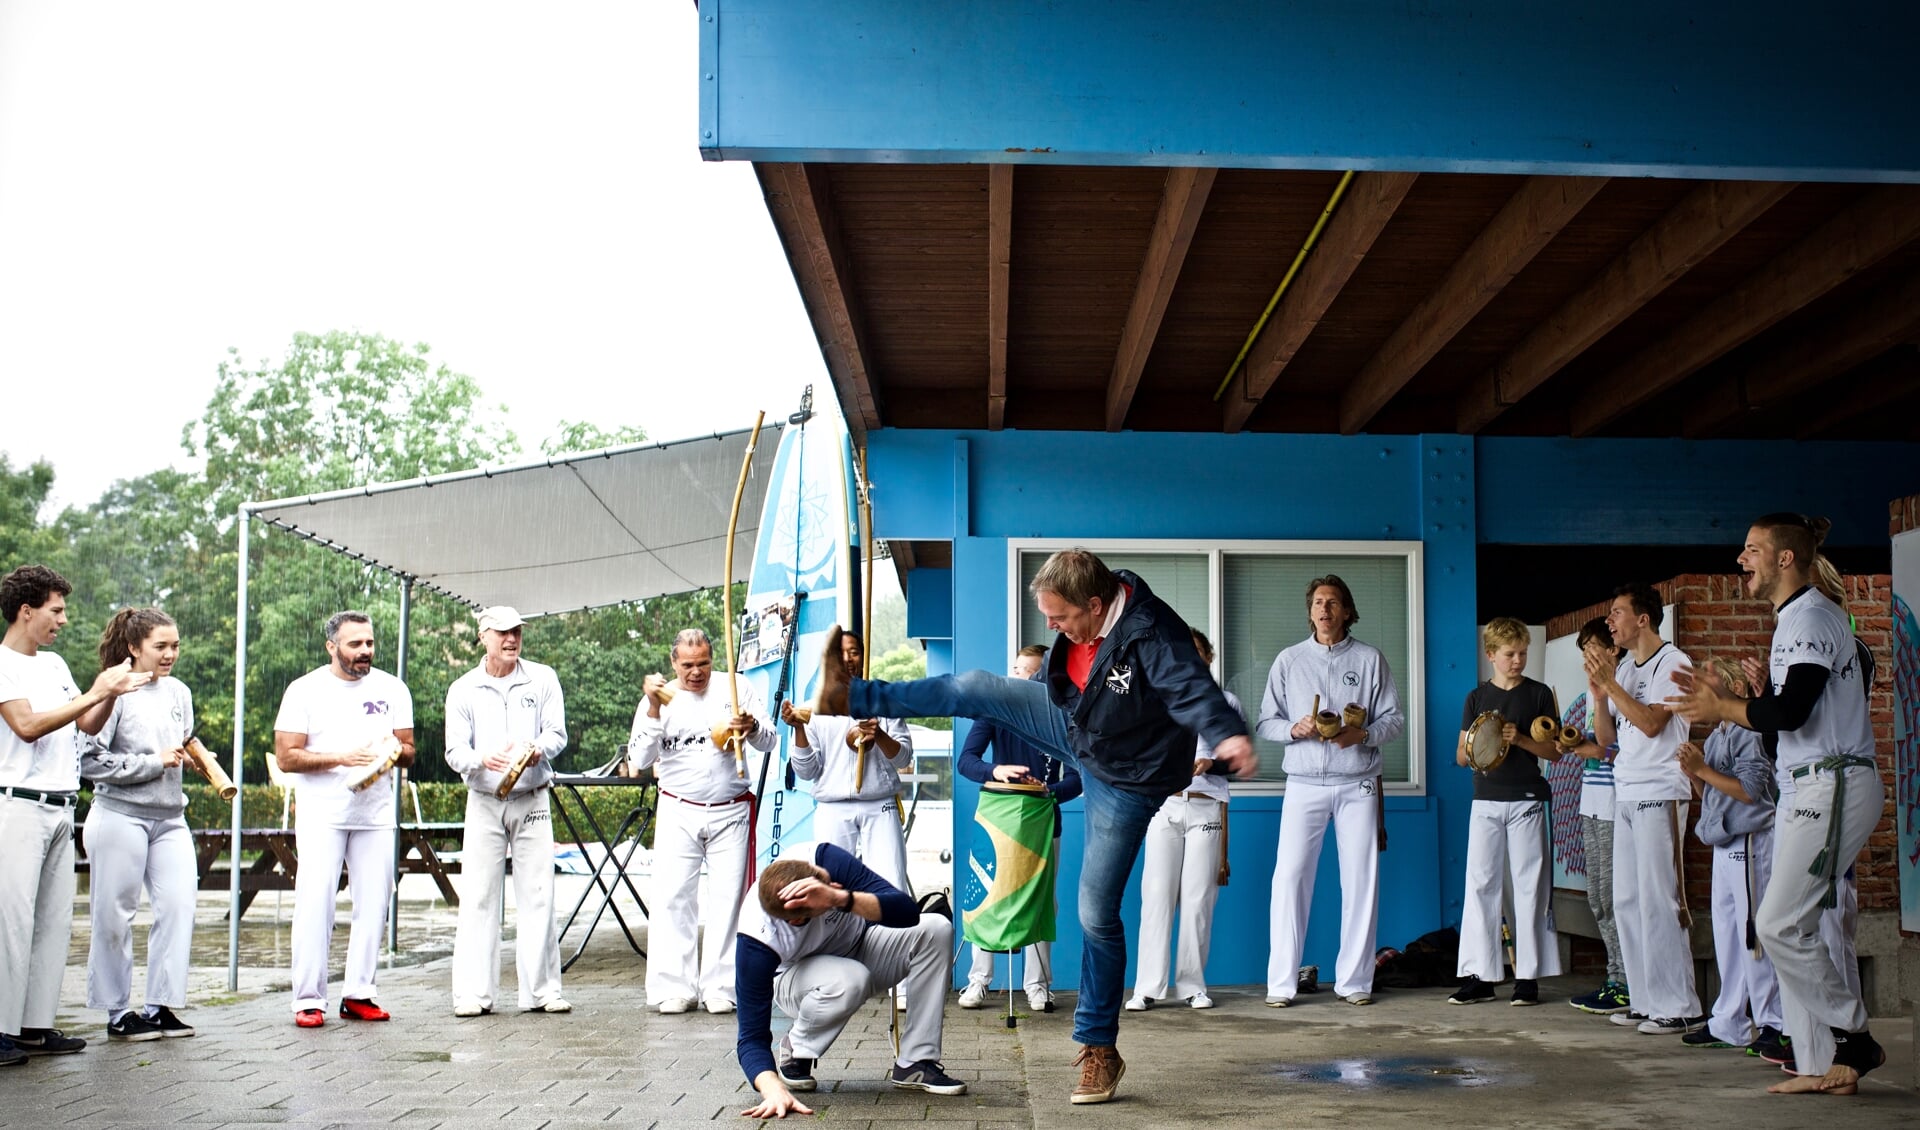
x,y
1764,88
1683,492
1449,492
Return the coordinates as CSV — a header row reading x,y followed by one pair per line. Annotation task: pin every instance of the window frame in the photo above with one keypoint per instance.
x,y
1412,683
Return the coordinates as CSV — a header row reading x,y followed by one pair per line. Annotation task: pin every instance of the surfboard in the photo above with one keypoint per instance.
x,y
806,548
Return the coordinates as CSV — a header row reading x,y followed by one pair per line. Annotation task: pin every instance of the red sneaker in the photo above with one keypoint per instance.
x,y
351,1009
309,1018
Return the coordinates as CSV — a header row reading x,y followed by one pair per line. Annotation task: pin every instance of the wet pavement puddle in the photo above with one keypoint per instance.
x,y
1397,1073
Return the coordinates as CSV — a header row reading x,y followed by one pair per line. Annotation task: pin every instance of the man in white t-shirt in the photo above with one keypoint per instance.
x,y
339,726
39,781
1651,791
1816,701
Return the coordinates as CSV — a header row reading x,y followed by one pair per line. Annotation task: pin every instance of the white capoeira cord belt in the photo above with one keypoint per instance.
x,y
1827,863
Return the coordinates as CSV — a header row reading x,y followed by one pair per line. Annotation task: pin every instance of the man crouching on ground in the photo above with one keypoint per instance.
x,y
820,934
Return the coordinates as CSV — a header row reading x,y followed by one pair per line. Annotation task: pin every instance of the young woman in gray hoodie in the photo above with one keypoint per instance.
x,y
137,833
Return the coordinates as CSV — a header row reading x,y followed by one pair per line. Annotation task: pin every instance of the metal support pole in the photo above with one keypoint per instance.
x,y
239,760
399,788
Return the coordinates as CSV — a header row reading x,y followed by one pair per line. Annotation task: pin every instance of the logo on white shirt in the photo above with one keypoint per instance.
x,y
377,707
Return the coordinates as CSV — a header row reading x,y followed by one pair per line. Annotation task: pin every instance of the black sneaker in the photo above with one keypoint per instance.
x,y
1526,991
1471,991
796,1073
1672,1025
171,1026
1778,1049
132,1027
1704,1038
926,1075
47,1041
10,1056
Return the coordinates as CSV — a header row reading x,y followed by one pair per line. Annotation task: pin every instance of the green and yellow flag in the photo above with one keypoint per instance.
x,y
1007,898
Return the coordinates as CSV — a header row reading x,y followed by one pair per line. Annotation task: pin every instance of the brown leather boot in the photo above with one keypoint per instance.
x,y
832,698
1100,1071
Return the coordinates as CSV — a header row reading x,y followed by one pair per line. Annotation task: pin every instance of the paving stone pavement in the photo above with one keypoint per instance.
x,y
1409,1061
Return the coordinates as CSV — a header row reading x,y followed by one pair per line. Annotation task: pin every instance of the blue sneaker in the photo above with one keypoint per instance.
x,y
1607,1000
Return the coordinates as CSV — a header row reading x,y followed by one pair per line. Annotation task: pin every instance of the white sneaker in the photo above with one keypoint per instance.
x,y
675,1005
1137,1004
1279,1002
1039,1000
1359,998
1200,1000
557,1004
973,996
469,1008
716,1005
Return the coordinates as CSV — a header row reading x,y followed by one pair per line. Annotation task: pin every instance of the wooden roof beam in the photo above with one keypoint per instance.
x,y
1517,233
1886,381
1694,229
1857,237
1888,318
802,211
999,274
1182,200
1370,202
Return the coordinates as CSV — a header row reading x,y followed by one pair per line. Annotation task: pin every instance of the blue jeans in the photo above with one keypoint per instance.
x,y
1116,819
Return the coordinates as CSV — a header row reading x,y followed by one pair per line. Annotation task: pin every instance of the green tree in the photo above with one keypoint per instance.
x,y
902,663
23,493
578,435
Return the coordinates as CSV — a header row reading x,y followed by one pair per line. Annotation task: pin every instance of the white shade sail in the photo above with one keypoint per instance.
x,y
570,532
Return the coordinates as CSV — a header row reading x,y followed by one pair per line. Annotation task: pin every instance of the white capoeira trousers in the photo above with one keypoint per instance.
x,y
1646,908
368,856
1182,867
520,826
1507,839
1814,998
124,854
822,992
1749,995
681,965
36,910
870,830
1354,811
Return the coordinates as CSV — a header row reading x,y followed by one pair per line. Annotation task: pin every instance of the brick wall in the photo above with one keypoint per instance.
x,y
1714,616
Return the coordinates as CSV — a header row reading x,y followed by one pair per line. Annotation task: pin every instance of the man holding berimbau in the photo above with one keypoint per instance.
x,y
696,738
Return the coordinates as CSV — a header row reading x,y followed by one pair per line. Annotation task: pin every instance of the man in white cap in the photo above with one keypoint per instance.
x,y
506,718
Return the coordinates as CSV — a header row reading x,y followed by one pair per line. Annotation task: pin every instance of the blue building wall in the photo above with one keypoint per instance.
x,y
1770,89
980,489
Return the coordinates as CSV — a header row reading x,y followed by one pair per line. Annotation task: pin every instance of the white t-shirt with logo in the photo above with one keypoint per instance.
x,y
52,764
1646,768
339,716
1813,629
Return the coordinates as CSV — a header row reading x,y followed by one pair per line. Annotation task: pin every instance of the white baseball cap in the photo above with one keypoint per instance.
x,y
500,618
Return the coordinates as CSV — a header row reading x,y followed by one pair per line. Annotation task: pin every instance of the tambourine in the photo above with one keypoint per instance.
x,y
1486,749
1545,729
1354,715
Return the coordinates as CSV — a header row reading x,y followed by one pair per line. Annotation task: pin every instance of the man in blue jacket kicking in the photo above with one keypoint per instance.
x,y
1123,694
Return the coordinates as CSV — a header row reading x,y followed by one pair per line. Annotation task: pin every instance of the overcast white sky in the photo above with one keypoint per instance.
x,y
518,185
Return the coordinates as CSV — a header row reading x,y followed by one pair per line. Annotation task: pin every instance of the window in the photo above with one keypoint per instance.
x,y
1250,598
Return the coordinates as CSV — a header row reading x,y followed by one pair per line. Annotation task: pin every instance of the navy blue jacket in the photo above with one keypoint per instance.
x,y
1147,695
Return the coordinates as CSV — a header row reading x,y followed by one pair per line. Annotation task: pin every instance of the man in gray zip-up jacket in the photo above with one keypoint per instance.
x,y
505,711
1337,779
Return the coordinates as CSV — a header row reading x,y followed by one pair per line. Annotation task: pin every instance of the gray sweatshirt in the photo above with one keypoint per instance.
x,y
123,759
484,714
1737,753
1349,671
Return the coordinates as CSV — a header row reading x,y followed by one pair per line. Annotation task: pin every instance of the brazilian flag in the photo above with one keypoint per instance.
x,y
1006,898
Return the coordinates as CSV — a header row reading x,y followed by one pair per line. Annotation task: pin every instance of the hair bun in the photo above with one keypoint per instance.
x,y
1819,527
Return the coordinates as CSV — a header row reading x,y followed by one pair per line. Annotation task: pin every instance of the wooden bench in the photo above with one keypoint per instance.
x,y
276,861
